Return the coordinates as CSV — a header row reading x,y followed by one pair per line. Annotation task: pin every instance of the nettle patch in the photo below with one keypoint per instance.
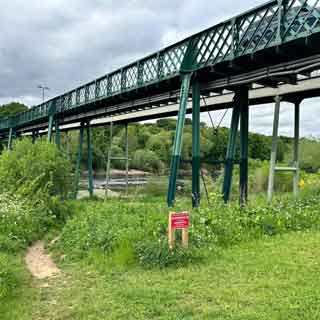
x,y
20,222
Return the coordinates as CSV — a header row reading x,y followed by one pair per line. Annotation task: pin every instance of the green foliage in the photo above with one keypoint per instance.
x,y
22,221
11,109
158,138
225,225
283,181
123,234
147,160
31,168
259,146
137,233
156,187
8,279
106,227
310,155
33,181
158,254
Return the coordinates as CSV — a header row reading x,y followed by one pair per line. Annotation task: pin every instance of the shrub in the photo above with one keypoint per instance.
x,y
21,223
147,160
309,155
156,186
40,165
283,181
33,181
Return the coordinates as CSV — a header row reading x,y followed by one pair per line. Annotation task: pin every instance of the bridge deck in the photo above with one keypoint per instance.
x,y
305,88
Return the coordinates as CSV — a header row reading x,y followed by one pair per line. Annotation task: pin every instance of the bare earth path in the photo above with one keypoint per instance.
x,y
39,263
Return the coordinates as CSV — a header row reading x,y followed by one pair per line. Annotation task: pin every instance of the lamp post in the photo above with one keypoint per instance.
x,y
43,88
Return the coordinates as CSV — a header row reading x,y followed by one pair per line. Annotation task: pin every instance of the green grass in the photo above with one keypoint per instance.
x,y
273,278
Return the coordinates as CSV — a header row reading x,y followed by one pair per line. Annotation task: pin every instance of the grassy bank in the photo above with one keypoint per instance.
x,y
273,278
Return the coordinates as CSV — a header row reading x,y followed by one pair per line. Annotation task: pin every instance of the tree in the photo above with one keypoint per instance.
x,y
11,109
147,160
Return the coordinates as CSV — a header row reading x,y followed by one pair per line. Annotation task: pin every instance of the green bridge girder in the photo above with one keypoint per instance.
x,y
270,25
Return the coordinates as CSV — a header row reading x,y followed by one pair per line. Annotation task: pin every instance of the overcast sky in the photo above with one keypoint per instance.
x,y
62,44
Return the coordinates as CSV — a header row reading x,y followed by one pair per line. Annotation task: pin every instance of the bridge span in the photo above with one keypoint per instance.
x,y
267,52
162,106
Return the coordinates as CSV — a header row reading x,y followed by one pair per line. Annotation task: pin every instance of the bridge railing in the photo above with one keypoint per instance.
x,y
268,25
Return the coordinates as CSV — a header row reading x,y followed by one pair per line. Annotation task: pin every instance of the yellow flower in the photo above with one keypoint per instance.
x,y
301,183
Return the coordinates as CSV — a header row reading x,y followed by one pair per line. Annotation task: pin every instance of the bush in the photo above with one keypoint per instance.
x,y
21,223
156,186
147,160
40,165
33,181
283,181
309,155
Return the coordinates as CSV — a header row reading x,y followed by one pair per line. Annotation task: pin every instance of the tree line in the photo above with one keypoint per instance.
x,y
150,144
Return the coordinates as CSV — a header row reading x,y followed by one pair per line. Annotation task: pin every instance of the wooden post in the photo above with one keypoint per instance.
x,y
171,233
185,238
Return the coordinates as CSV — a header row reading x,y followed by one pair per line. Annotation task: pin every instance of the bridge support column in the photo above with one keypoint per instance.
x,y
57,133
50,128
294,168
231,149
51,119
89,151
273,157
242,99
78,163
127,160
109,160
10,138
296,147
176,153
34,136
196,145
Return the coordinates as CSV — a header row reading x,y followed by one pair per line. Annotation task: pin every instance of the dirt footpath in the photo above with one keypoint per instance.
x,y
39,263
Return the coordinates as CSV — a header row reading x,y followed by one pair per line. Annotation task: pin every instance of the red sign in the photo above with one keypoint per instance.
x,y
180,220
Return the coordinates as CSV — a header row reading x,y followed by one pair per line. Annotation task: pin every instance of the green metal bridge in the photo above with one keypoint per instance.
x,y
269,45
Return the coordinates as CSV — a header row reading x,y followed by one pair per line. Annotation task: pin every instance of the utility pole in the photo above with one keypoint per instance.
x,y
43,88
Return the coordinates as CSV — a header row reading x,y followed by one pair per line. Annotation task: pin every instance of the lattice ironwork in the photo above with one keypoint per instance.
x,y
271,24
